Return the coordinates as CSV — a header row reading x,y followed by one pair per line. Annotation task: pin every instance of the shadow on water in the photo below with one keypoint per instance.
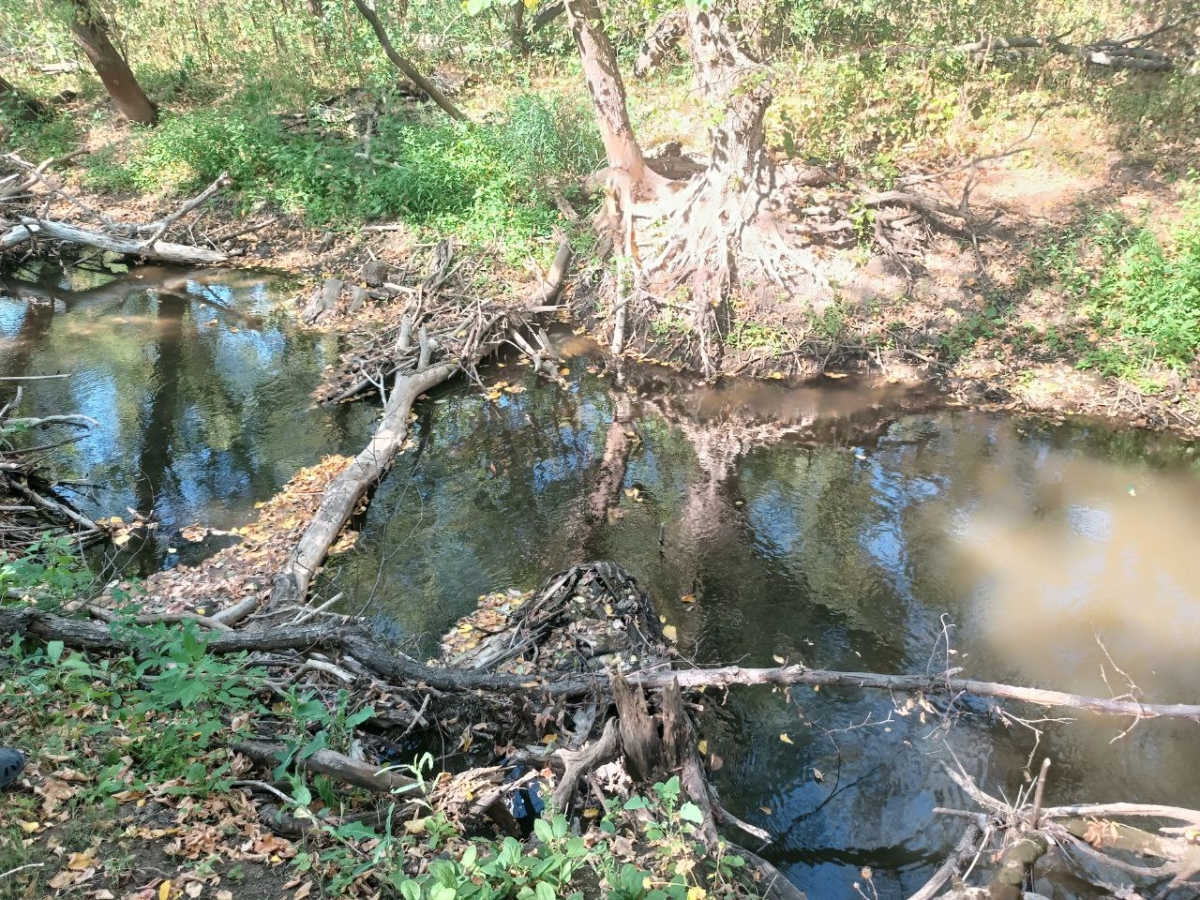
x,y
848,525
200,388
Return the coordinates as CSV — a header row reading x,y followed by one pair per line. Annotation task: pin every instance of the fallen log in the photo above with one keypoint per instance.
x,y
346,638
410,71
328,762
24,225
342,496
72,234
1104,53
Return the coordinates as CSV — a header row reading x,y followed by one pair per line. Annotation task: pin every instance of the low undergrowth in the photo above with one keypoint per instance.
x,y
485,183
132,789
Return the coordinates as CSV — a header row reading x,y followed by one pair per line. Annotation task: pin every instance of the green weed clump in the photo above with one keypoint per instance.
x,y
1136,292
1147,301
486,182
37,137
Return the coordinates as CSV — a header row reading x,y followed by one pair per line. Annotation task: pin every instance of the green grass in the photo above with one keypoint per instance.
x,y
1139,293
38,137
486,182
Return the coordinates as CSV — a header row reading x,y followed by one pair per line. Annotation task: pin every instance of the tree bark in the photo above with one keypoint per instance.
x,y
164,250
90,31
516,29
409,70
705,230
607,90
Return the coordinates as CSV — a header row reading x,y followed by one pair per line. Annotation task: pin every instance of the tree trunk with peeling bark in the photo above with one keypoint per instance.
x,y
90,30
607,90
692,246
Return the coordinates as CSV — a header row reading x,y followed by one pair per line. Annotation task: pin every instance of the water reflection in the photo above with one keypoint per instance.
x,y
201,395
848,526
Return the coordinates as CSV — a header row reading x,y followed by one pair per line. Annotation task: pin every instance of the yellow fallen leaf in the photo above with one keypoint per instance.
x,y
835,374
787,740
80,861
414,826
702,746
777,376
670,634
688,598
29,827
564,371
550,738
164,890
779,659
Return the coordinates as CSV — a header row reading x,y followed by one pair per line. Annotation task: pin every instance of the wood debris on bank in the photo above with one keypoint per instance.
x,y
31,507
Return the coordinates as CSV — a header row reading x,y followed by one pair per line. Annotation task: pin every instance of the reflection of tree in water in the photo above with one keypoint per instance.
x,y
763,533
203,407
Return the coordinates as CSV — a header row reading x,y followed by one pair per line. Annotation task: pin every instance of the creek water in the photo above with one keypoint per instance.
x,y
199,385
850,525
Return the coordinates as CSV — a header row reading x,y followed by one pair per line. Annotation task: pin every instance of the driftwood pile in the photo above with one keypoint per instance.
x,y
29,507
30,193
585,660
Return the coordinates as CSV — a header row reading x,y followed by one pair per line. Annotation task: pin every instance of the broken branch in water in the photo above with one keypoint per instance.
x,y
21,478
478,333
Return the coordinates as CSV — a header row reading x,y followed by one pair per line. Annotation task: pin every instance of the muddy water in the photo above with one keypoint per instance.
x,y
200,391
848,525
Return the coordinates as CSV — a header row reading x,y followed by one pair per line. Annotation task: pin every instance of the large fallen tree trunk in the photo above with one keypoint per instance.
x,y
1104,52
72,234
23,219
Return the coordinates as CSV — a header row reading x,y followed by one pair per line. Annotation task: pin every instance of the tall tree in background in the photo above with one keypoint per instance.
x,y
90,30
692,245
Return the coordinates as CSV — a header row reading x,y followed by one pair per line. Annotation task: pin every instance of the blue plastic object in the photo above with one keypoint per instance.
x,y
12,764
